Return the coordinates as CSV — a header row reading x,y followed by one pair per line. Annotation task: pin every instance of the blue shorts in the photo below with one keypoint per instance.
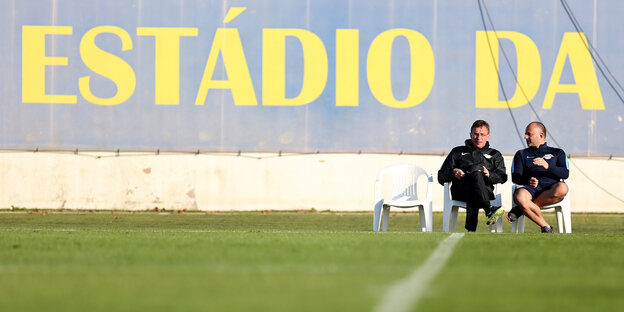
x,y
535,191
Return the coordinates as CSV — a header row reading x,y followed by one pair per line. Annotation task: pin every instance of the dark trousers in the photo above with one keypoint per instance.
x,y
476,193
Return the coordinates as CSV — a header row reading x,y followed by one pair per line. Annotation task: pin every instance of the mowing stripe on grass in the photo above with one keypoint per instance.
x,y
405,294
29,229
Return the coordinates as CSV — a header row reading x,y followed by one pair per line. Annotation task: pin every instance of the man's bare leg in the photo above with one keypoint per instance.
x,y
552,195
529,208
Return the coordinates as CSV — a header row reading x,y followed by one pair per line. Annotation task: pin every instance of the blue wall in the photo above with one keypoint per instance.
x,y
370,76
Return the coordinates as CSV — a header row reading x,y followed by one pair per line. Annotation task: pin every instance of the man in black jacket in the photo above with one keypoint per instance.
x,y
538,170
473,170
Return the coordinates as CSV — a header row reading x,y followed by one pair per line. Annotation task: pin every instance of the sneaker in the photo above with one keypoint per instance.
x,y
547,229
494,216
514,214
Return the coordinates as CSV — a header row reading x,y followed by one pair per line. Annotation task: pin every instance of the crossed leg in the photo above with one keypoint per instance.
x,y
531,208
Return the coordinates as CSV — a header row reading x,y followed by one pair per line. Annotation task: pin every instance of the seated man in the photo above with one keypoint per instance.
x,y
538,171
473,169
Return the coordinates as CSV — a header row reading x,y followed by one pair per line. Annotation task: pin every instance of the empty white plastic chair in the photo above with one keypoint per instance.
x,y
562,210
404,195
451,209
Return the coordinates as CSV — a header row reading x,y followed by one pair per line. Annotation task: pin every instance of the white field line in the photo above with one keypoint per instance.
x,y
404,294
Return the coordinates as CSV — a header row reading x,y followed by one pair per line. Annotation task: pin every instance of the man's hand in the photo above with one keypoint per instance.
x,y
540,162
533,182
458,173
485,171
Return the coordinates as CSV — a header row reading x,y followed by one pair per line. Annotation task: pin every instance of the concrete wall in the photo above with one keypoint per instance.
x,y
221,182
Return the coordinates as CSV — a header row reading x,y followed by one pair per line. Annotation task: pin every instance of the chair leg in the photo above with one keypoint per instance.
x,y
425,214
429,214
514,227
521,220
454,212
377,215
446,218
423,218
567,220
385,218
497,227
559,215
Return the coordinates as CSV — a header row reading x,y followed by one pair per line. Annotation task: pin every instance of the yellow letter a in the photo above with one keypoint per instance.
x,y
227,41
586,85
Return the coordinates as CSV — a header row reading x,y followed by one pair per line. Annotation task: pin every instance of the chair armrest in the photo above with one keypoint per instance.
x,y
447,190
377,190
429,196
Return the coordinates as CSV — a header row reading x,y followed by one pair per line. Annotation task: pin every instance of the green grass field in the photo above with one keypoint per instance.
x,y
297,261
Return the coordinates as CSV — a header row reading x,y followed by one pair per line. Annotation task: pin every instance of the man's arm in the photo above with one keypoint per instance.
x,y
560,169
499,172
445,174
517,168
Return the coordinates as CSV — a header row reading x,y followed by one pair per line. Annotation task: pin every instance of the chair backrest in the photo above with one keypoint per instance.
x,y
404,181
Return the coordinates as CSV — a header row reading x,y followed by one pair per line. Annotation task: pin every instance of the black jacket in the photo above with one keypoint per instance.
x,y
470,159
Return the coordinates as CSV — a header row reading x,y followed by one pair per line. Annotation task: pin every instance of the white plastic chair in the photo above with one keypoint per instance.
x,y
562,210
404,195
451,209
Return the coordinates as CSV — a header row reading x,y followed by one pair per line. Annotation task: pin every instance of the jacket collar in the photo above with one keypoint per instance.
x,y
541,147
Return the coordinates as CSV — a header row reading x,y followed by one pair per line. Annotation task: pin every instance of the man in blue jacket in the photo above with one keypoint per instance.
x,y
473,169
538,170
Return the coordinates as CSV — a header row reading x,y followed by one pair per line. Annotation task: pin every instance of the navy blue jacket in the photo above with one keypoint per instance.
x,y
469,159
522,168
